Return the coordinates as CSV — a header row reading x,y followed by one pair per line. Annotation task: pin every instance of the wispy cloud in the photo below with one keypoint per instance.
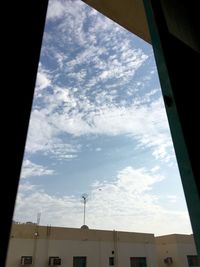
x,y
93,90
145,123
43,79
57,9
43,137
87,40
30,169
122,204
172,198
155,169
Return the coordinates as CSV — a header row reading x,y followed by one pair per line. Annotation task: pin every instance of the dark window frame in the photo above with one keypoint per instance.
x,y
82,259
139,262
192,260
111,261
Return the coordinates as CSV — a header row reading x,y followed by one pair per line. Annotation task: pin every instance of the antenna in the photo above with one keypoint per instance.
x,y
84,197
37,224
38,218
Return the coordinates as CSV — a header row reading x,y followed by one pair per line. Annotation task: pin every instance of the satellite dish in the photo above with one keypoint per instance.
x,y
84,227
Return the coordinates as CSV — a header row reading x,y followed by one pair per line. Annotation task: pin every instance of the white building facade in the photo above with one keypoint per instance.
x,y
176,250
41,246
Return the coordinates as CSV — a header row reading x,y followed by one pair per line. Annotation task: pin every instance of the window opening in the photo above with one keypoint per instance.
x,y
79,261
98,126
138,262
111,261
192,260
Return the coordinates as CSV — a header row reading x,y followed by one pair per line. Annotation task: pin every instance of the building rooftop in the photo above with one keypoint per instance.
x,y
27,231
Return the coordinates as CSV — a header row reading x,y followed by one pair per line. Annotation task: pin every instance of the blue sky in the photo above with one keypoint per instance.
x,y
98,126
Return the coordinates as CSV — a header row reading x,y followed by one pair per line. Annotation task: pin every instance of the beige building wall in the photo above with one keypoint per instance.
x,y
130,14
176,246
96,245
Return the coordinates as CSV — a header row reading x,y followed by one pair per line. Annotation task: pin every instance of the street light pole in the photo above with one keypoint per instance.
x,y
84,197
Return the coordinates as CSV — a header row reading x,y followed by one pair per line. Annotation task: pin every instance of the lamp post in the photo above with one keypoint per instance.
x,y
84,197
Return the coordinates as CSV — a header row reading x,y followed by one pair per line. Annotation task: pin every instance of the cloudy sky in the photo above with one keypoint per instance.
x,y
98,126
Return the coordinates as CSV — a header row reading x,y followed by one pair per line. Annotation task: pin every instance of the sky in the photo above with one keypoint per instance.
x,y
98,126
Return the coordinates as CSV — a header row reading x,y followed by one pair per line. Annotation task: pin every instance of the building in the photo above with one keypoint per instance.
x,y
176,250
41,246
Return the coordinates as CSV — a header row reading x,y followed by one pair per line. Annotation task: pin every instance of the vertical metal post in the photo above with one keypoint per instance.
x,y
84,197
84,211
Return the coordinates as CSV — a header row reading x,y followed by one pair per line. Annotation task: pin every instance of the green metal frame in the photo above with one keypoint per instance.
x,y
188,176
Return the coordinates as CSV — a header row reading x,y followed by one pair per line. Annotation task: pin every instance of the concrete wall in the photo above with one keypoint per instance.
x,y
97,246
130,14
66,243
177,247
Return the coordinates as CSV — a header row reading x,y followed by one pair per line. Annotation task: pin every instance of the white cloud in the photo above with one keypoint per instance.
x,y
30,169
54,210
42,81
102,44
62,151
60,58
155,169
43,137
96,75
56,9
172,198
64,113
41,133
69,16
127,203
